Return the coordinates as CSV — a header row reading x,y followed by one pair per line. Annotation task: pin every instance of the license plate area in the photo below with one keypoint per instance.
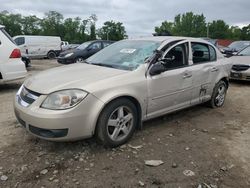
x,y
236,75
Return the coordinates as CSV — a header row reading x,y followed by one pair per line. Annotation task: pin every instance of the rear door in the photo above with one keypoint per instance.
x,y
171,89
205,71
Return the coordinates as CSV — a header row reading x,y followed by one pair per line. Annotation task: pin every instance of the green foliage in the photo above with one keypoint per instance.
x,y
195,25
74,30
112,31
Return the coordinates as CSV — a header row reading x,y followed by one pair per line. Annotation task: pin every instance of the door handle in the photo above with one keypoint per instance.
x,y
186,75
214,69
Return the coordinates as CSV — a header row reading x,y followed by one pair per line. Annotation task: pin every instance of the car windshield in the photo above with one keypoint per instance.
x,y
238,45
245,52
84,45
126,54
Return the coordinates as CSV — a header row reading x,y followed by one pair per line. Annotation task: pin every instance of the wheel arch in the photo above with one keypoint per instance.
x,y
134,100
50,52
226,80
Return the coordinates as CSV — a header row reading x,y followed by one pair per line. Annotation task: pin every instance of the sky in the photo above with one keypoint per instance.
x,y
138,16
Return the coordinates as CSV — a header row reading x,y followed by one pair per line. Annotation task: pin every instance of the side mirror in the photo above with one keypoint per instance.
x,y
156,69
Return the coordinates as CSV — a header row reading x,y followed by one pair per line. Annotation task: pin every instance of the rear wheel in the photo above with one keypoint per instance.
x,y
117,123
51,55
219,95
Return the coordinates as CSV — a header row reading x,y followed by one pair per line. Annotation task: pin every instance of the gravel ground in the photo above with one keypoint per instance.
x,y
199,147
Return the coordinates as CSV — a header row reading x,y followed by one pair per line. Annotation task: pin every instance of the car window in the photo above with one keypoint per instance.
x,y
96,46
245,52
200,53
177,57
212,53
105,44
20,41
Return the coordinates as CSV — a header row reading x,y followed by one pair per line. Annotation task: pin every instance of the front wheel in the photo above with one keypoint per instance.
x,y
117,123
79,60
219,95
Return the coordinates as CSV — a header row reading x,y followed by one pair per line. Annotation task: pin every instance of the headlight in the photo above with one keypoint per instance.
x,y
64,99
68,55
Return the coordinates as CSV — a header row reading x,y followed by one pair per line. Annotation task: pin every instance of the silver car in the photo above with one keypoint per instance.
x,y
115,90
241,65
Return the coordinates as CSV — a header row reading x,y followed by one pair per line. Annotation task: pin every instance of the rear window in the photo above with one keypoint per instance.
x,y
7,35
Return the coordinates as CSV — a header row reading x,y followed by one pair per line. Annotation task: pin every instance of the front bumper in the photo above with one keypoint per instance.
x,y
63,60
59,125
240,75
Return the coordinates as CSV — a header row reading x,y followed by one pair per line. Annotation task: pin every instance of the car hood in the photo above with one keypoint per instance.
x,y
78,75
244,60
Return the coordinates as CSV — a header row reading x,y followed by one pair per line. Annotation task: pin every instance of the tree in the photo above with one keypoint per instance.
x,y
218,29
112,31
166,28
52,24
12,22
188,24
245,33
31,25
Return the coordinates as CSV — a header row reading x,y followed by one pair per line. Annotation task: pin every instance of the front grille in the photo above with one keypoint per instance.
x,y
28,96
240,67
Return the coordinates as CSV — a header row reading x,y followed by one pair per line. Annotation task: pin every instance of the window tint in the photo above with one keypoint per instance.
x,y
200,53
212,53
20,41
105,44
96,46
177,57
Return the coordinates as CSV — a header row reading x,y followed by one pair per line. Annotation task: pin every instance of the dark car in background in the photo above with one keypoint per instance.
x,y
235,47
82,52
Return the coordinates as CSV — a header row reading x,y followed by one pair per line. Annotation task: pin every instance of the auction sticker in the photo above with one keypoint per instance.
x,y
127,50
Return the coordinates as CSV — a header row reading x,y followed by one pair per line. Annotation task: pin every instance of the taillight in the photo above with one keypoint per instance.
x,y
16,53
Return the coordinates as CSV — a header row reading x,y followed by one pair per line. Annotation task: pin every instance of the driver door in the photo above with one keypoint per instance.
x,y
172,89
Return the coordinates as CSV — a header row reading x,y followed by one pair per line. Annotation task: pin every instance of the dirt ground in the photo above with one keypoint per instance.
x,y
214,144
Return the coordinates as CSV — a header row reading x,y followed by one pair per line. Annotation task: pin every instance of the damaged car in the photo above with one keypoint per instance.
x,y
111,93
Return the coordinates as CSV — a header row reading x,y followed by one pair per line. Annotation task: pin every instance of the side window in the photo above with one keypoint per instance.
x,y
200,53
20,41
96,46
212,53
177,57
105,44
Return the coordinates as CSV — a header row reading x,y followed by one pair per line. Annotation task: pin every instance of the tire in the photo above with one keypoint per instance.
x,y
51,55
219,95
117,122
79,60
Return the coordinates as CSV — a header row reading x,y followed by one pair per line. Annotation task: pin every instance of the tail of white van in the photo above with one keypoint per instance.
x,y
11,65
39,46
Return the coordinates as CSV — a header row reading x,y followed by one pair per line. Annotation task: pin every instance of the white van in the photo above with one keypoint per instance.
x,y
39,46
11,65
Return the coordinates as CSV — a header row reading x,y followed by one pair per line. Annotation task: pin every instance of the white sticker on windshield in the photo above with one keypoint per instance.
x,y
127,50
